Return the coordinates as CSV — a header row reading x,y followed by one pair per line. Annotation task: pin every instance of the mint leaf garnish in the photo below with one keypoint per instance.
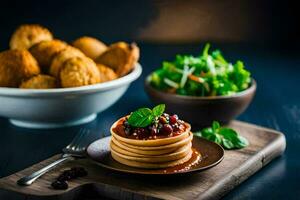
x,y
158,110
145,116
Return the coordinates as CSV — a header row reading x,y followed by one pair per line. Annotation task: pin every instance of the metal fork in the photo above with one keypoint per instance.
x,y
76,149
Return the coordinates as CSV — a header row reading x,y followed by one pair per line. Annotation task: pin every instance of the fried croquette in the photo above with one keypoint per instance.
x,y
90,46
34,51
28,35
61,57
16,66
40,82
106,73
79,71
45,51
121,57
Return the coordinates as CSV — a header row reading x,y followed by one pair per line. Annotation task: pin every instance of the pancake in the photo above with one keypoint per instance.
x,y
162,151
157,159
133,151
163,147
151,143
152,165
174,155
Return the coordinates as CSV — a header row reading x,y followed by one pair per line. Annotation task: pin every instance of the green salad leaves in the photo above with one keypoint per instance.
x,y
226,137
208,74
145,116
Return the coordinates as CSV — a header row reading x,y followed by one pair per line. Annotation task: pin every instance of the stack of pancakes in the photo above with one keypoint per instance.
x,y
152,153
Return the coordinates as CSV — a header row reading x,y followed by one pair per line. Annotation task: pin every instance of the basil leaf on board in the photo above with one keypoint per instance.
x,y
215,138
215,126
237,140
206,132
227,143
228,133
224,136
241,142
158,110
198,133
141,118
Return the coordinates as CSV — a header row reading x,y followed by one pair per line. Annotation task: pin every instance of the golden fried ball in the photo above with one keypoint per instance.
x,y
79,71
45,51
90,46
40,82
61,57
121,57
16,66
106,73
28,35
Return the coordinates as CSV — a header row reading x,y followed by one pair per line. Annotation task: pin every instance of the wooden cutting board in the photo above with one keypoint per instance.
x,y
238,165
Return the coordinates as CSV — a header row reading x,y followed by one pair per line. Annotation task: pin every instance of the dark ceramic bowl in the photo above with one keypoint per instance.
x,y
201,111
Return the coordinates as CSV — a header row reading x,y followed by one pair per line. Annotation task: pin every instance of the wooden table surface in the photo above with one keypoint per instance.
x,y
276,105
212,184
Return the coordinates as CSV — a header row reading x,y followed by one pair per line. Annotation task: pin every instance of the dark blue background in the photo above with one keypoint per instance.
x,y
276,105
275,64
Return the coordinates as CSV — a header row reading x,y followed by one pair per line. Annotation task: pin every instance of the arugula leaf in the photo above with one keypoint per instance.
x,y
240,76
145,116
218,56
224,136
205,50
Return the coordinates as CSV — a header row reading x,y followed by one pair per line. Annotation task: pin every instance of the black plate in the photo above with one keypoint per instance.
x,y
211,155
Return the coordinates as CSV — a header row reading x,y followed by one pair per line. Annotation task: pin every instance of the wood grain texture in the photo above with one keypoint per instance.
x,y
238,165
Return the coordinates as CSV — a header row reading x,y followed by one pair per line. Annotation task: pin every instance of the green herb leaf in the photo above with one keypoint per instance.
x,y
224,136
205,50
228,133
215,138
215,126
227,143
207,131
241,142
158,110
198,133
145,116
218,56
141,118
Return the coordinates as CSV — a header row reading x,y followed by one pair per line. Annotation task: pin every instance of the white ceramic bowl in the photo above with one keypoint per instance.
x,y
52,108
